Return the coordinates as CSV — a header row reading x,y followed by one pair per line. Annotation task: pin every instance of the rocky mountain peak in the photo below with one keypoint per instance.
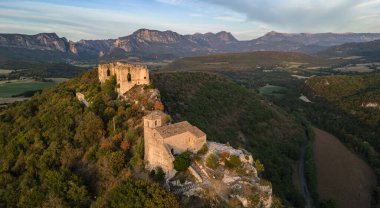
x,y
226,36
156,36
47,35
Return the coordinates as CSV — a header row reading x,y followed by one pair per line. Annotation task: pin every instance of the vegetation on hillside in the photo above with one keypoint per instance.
x,y
57,153
338,109
231,114
252,61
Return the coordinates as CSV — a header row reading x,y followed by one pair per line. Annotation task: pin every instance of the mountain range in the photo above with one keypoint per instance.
x,y
160,45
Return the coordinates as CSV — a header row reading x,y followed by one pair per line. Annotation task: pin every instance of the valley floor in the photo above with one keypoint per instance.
x,y
341,175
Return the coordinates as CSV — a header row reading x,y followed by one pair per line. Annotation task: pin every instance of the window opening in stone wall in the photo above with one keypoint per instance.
x,y
129,77
108,72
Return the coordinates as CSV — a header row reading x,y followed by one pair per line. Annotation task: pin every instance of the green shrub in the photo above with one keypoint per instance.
x,y
203,150
117,162
140,193
157,174
212,161
259,166
233,162
182,161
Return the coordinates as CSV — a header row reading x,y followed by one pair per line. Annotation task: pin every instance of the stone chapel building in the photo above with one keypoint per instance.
x,y
162,141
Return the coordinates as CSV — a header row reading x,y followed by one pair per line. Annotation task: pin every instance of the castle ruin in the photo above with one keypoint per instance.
x,y
163,140
127,75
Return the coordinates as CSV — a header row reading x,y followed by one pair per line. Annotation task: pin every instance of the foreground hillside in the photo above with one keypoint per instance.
x,y
57,153
230,113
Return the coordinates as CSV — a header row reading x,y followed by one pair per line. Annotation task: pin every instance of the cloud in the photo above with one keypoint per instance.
x,y
173,2
297,14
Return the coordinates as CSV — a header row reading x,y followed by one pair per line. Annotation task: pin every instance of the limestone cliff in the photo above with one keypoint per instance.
x,y
224,176
42,41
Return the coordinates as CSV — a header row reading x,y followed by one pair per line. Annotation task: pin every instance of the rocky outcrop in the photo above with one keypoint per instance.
x,y
236,185
42,41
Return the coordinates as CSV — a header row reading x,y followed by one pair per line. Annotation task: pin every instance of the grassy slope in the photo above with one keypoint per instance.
x,y
223,109
341,174
337,108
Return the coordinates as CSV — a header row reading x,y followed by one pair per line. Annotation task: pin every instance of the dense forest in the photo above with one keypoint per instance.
x,y
57,153
338,108
230,113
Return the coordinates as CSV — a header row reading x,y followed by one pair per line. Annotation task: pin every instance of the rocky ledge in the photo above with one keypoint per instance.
x,y
223,176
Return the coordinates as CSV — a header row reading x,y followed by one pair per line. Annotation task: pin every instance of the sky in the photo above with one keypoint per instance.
x,y
245,19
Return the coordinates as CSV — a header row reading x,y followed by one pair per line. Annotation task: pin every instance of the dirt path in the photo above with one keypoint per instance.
x,y
342,176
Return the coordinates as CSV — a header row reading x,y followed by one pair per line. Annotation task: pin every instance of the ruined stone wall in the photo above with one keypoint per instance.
x,y
127,75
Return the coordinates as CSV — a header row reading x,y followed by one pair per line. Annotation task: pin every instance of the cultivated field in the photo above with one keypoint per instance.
x,y
341,175
17,87
5,71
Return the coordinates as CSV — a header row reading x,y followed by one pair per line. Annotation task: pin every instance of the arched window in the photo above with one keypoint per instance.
x,y
108,72
129,77
155,123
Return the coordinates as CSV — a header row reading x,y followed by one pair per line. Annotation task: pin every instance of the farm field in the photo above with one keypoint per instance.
x,y
17,87
272,90
5,71
341,175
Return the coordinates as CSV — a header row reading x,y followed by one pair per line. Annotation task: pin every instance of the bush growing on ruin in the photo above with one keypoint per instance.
x,y
182,161
212,161
157,174
233,162
203,150
259,166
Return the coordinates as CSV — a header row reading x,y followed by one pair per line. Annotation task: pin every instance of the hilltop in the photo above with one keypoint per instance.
x,y
89,152
230,113
57,152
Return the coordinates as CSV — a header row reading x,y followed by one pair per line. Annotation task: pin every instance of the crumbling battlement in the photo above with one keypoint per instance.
x,y
127,75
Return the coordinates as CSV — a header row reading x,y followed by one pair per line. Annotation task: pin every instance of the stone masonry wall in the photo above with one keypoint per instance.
x,y
127,75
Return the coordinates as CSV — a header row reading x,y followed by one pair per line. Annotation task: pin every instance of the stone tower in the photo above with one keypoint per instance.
x,y
151,121
127,75
162,141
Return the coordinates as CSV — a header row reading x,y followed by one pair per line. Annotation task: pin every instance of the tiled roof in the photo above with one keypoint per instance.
x,y
179,128
156,115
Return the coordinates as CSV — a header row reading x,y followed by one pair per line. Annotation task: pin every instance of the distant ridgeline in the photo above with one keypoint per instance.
x,y
163,45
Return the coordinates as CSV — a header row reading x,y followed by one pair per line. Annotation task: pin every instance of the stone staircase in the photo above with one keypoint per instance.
x,y
199,173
